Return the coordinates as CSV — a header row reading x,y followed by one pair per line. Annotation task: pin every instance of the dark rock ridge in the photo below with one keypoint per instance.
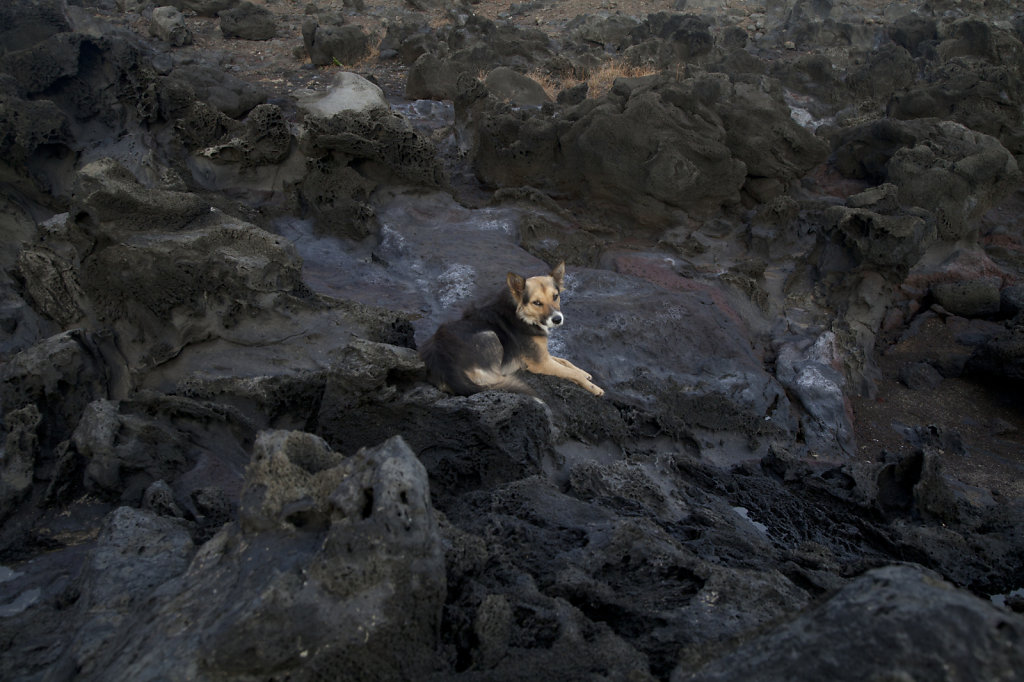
x,y
221,460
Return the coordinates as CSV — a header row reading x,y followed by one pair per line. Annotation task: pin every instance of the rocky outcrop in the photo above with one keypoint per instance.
x,y
365,570
248,21
330,40
650,147
220,458
168,24
981,633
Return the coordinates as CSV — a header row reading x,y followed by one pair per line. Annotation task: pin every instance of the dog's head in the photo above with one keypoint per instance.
x,y
537,298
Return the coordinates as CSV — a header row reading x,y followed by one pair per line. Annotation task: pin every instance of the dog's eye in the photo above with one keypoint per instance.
x,y
555,297
537,303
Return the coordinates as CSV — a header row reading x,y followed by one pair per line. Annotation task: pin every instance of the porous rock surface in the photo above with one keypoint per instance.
x,y
794,261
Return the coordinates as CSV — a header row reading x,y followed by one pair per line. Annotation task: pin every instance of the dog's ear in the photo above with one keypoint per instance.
x,y
558,274
516,285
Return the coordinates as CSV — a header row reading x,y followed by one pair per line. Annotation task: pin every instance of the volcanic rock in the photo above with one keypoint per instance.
x,y
329,40
969,298
221,459
168,24
515,88
248,21
882,602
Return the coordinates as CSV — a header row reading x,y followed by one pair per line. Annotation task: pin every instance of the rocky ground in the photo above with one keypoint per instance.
x,y
795,256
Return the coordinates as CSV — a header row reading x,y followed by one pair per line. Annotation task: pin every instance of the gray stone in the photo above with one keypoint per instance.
x,y
168,24
900,616
221,90
969,298
940,167
920,376
24,23
515,88
136,552
60,375
432,78
361,573
329,40
348,92
51,282
248,22
603,31
17,462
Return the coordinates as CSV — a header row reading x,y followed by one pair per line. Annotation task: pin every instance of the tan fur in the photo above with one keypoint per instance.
x,y
538,299
560,367
485,348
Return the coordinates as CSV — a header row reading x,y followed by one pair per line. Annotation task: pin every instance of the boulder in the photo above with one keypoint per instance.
x,y
348,92
465,443
650,147
604,31
969,298
23,23
60,376
260,161
218,276
17,467
248,22
920,376
329,40
168,24
222,91
111,204
649,150
383,145
33,128
513,87
891,243
940,167
126,452
37,67
135,553
809,368
51,283
889,69
407,39
974,96
432,78
914,32
901,616
359,574
162,257
675,37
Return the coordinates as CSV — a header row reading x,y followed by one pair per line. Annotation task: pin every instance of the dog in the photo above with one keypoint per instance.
x,y
486,347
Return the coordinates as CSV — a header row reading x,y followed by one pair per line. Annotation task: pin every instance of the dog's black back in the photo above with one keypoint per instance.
x,y
489,337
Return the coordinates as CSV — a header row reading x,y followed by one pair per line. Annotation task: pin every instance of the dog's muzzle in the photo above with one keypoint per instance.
x,y
555,320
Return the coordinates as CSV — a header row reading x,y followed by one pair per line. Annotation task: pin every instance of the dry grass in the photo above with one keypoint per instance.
x,y
599,82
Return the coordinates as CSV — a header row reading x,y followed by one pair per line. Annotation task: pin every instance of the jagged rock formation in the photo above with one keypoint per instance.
x,y
221,460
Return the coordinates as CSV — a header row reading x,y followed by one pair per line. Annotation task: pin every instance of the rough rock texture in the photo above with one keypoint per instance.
x,y
248,21
649,147
893,641
329,40
168,24
794,261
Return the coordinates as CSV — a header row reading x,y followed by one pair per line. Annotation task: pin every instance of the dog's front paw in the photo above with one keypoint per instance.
x,y
596,390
